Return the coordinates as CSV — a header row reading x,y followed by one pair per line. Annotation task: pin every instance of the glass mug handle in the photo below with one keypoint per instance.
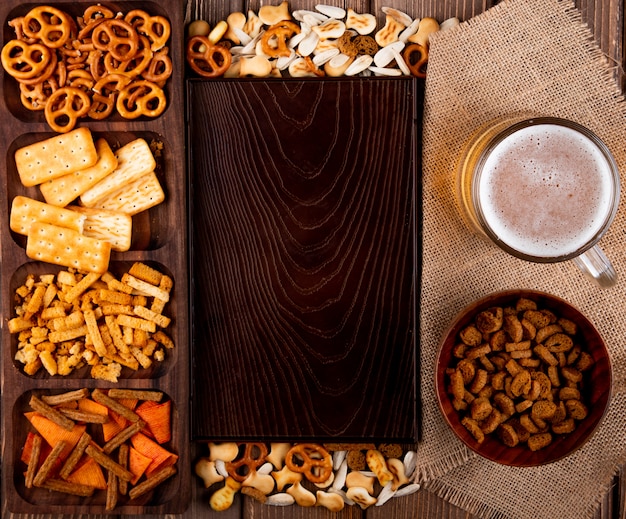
x,y
597,267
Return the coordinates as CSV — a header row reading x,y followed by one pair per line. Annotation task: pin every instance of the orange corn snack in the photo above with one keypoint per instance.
x,y
89,474
137,464
54,433
158,419
149,448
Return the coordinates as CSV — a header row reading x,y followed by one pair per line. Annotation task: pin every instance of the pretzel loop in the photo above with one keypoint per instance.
x,y
48,24
141,98
310,459
253,456
416,58
206,59
65,106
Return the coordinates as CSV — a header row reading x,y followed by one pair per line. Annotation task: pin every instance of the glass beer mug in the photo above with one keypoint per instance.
x,y
544,189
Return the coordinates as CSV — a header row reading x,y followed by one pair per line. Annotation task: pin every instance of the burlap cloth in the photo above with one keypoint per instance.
x,y
522,55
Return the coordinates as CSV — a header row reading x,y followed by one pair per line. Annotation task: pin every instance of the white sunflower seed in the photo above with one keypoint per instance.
x,y
331,11
409,31
308,44
339,60
398,16
385,71
401,63
295,40
301,13
385,494
311,20
343,495
322,58
340,476
384,56
410,462
244,38
359,65
220,466
409,489
283,62
449,23
281,499
338,457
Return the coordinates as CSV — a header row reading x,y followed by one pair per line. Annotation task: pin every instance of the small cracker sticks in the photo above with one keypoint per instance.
x,y
55,157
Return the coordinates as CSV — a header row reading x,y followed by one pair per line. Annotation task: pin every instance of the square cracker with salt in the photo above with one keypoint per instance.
x,y
133,198
68,248
63,190
55,157
134,160
26,211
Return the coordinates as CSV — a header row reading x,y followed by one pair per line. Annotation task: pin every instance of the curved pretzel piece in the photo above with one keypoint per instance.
x,y
253,456
24,60
65,106
310,459
416,58
156,28
117,37
140,98
206,59
275,38
48,24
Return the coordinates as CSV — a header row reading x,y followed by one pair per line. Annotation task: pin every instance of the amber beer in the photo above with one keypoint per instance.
x,y
543,189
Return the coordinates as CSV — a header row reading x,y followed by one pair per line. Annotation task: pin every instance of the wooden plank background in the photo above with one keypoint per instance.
x,y
606,20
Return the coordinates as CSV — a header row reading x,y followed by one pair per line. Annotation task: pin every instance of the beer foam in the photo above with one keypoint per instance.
x,y
546,190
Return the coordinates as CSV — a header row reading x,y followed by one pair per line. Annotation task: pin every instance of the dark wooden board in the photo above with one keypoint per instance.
x,y
304,258
158,239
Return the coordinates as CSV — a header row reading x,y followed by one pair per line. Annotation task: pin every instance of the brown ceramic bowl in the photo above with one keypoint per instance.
x,y
595,387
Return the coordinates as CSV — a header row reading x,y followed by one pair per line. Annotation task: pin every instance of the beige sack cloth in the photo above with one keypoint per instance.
x,y
522,55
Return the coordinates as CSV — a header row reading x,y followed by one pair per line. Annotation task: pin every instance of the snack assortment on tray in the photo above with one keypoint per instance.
x,y
331,475
115,442
518,372
94,271
326,42
89,66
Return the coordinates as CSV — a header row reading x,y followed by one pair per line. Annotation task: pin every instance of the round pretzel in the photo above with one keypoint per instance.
x,y
241,467
24,60
311,460
416,64
156,28
279,33
65,107
131,67
206,59
48,24
140,98
117,37
160,67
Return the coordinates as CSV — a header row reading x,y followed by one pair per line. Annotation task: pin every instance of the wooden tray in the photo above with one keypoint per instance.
x,y
305,258
158,239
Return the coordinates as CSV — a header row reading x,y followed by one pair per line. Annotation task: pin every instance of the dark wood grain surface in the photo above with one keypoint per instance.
x,y
606,20
303,245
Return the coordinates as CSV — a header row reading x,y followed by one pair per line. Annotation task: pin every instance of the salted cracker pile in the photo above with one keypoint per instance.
x,y
327,42
68,320
307,474
109,188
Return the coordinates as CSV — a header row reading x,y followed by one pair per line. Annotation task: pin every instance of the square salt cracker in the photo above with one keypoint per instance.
x,y
112,226
68,248
26,211
56,156
63,190
134,160
142,194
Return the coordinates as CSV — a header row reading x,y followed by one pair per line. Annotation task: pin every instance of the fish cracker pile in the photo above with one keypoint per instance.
x,y
89,66
69,320
114,441
327,42
91,194
307,474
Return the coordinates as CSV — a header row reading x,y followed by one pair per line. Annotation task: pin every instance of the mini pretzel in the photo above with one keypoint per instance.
x,y
25,61
205,59
96,12
134,66
18,27
48,24
65,107
156,28
240,468
310,459
160,67
280,33
116,36
416,57
141,98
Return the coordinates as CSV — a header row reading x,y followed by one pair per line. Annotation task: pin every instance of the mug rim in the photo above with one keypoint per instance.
x,y
536,121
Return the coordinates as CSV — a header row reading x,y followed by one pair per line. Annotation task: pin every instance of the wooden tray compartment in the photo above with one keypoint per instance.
x,y
305,255
159,239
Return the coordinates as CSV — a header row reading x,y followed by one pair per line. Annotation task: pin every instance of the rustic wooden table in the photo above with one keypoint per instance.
x,y
606,19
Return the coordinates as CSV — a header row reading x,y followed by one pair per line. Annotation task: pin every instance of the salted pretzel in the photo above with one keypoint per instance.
x,y
278,34
206,59
253,456
416,58
311,460
156,28
140,98
25,60
117,37
65,106
134,66
160,67
48,24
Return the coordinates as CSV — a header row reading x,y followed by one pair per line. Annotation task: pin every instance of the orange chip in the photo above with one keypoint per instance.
x,y
89,474
158,419
89,406
160,456
137,464
54,433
